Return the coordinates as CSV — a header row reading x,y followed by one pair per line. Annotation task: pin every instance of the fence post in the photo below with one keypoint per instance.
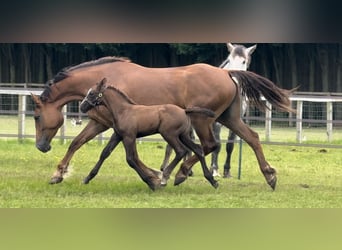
x,y
299,124
63,128
100,138
329,121
21,117
268,121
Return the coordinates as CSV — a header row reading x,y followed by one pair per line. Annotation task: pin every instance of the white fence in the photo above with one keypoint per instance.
x,y
329,123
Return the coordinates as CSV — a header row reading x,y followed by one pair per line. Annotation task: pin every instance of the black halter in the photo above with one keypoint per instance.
x,y
97,100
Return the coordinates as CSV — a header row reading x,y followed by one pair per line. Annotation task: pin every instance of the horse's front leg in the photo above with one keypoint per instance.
x,y
89,132
149,176
113,142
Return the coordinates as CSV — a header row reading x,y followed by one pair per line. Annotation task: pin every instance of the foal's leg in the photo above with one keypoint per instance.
x,y
168,152
208,142
180,152
197,149
113,142
89,132
146,174
215,153
167,156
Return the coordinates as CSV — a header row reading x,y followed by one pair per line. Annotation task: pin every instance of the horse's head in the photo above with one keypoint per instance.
x,y
94,96
48,119
239,57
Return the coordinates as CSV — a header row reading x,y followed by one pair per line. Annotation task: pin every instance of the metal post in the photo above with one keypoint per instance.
x,y
240,144
268,121
63,128
100,138
21,117
299,124
329,121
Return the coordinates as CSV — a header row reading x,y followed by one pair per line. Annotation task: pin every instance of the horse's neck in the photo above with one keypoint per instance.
x,y
70,89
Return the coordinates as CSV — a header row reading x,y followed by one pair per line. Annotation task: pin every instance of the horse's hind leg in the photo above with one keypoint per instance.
x,y
215,153
229,150
113,142
252,138
197,149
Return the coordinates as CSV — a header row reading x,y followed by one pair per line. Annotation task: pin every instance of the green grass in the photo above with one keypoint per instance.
x,y
307,177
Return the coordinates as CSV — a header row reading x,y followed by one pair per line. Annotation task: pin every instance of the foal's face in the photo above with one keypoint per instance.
x,y
91,100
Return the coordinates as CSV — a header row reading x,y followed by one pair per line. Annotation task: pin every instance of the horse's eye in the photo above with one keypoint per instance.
x,y
244,62
36,117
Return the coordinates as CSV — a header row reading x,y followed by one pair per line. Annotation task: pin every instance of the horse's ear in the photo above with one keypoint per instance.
x,y
251,49
230,47
36,100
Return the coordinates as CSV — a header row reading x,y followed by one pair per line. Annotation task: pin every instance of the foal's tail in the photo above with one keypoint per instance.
x,y
254,85
199,110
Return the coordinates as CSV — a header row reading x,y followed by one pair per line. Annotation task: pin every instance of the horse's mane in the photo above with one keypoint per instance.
x,y
123,94
65,72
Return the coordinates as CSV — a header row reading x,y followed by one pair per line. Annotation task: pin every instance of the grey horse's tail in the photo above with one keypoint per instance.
x,y
254,85
200,110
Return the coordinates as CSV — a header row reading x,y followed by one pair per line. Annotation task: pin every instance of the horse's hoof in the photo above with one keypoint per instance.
x,y
86,181
179,180
215,184
56,180
226,174
273,182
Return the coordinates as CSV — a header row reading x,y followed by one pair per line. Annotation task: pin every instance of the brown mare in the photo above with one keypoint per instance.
x,y
197,85
132,120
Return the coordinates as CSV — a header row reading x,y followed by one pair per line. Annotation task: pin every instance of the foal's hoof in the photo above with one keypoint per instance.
x,y
86,180
273,182
56,180
154,184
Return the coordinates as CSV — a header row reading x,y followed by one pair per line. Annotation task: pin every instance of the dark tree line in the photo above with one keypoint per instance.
x,y
315,67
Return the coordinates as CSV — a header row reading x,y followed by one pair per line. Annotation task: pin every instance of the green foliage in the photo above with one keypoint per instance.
x,y
307,177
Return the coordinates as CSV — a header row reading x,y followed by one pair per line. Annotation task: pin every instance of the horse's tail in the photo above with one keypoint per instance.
x,y
200,110
254,85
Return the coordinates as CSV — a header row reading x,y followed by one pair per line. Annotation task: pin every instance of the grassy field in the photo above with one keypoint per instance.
x,y
307,178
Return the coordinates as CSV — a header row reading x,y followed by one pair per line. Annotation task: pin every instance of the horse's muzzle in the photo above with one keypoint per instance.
x,y
43,147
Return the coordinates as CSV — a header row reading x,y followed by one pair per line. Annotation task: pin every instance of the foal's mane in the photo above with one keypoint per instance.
x,y
65,72
123,94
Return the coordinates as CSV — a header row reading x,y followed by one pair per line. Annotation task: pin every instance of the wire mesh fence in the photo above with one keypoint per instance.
x,y
317,121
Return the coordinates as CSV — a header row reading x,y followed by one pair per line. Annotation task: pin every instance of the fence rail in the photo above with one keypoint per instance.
x,y
318,111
